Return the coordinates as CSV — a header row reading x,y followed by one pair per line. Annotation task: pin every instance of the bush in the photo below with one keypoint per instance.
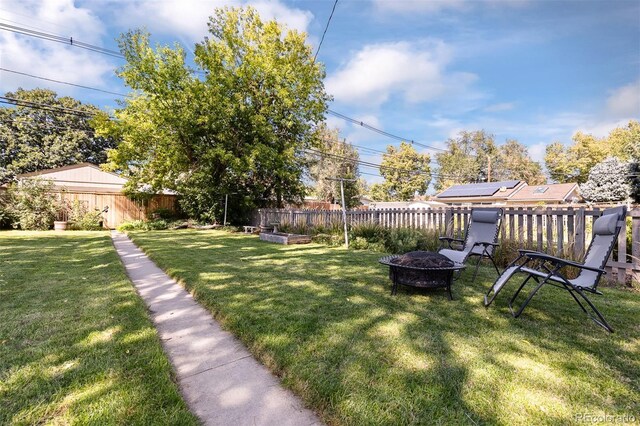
x,y
80,218
141,225
33,204
162,213
6,218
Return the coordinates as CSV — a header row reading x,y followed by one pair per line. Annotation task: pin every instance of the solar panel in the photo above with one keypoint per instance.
x,y
477,189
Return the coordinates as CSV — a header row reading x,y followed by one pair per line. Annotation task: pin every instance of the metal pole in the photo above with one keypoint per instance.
x,y
226,198
344,214
344,207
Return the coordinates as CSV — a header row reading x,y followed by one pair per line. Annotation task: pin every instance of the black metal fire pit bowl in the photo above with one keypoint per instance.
x,y
421,269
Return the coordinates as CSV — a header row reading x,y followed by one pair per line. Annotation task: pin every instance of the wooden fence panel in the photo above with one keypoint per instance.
x,y
558,231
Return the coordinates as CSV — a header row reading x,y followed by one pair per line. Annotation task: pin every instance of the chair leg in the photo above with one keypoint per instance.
x,y
494,263
529,297
571,290
475,273
600,320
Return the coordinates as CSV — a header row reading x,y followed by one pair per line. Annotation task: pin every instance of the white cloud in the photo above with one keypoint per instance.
x,y
188,18
50,59
415,71
537,151
625,101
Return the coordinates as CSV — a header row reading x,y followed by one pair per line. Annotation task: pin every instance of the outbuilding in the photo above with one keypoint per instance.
x,y
98,189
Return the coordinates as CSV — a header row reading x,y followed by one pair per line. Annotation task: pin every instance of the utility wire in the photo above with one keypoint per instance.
x,y
52,108
325,30
59,39
61,82
382,132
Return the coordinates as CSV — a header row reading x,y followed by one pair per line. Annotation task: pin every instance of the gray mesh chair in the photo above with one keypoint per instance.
x,y
546,269
481,238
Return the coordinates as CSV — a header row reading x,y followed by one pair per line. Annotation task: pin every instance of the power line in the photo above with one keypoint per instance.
x,y
45,107
382,132
60,39
62,82
325,30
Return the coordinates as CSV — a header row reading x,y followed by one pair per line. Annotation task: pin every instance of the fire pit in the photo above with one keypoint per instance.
x,y
421,269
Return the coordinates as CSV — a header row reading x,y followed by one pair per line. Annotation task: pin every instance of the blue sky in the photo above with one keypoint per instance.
x,y
535,71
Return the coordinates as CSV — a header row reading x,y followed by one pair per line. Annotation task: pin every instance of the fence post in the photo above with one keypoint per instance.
x,y
376,217
448,222
578,248
635,243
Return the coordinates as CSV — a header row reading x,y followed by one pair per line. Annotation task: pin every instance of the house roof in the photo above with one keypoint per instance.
x,y
378,205
554,192
500,190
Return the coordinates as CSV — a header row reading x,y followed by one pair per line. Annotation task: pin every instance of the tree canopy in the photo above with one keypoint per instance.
x,y
406,173
240,128
607,181
42,138
573,163
335,159
475,157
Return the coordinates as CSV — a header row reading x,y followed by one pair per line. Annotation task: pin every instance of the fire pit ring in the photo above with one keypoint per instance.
x,y
421,274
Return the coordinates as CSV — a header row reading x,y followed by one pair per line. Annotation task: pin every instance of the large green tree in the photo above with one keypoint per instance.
x,y
406,173
514,163
573,163
475,157
239,128
335,159
466,160
607,181
44,136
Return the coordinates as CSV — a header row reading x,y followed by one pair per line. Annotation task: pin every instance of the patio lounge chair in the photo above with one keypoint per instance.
x,y
546,269
481,237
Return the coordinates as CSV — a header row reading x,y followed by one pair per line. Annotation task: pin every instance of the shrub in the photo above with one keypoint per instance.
x,y
162,213
403,240
33,204
6,218
80,218
134,225
371,233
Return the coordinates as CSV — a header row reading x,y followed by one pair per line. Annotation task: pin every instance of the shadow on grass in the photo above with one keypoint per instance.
x,y
76,345
323,319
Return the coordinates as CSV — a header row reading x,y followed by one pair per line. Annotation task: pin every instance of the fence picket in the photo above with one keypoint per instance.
x,y
549,227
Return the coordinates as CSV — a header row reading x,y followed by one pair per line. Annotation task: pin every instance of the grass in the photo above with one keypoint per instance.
x,y
323,320
76,344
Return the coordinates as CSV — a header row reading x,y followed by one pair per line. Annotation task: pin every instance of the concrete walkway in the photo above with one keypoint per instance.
x,y
219,379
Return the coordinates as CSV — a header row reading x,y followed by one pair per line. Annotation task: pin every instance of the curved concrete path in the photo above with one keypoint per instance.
x,y
219,379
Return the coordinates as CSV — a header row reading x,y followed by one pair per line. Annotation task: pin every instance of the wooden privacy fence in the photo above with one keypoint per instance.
x,y
563,231
121,208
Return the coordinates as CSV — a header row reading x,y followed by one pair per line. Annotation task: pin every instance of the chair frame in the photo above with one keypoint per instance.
x,y
486,245
550,273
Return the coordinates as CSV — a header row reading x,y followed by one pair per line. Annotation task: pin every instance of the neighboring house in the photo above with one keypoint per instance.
x,y
557,193
381,205
486,193
98,189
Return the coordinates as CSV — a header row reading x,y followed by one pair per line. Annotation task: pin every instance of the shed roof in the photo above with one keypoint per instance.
x,y
486,191
81,177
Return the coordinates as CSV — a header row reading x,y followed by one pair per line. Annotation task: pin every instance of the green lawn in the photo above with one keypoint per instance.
x,y
324,321
76,344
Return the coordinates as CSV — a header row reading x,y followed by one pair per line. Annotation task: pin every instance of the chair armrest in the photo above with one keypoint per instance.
x,y
524,252
485,243
449,239
562,262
